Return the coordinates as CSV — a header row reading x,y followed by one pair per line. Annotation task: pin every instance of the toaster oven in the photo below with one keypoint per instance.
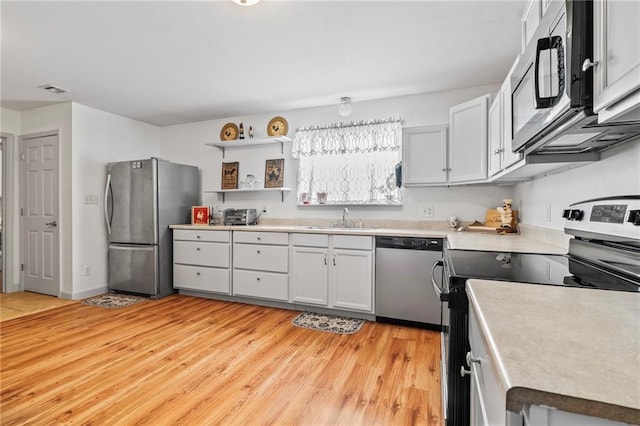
x,y
240,216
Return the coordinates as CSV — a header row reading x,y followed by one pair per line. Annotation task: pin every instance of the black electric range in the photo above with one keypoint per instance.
x,y
604,254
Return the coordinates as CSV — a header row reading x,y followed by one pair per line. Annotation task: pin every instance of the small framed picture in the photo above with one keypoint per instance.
x,y
274,173
200,215
230,175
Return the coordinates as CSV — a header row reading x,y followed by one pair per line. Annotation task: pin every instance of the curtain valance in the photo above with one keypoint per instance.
x,y
362,136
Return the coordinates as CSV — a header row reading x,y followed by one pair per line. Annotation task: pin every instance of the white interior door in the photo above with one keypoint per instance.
x,y
39,199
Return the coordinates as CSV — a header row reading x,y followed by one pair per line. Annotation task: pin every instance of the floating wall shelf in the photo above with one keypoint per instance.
x,y
245,143
226,191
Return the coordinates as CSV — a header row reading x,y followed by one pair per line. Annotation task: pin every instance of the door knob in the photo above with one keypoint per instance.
x,y
54,223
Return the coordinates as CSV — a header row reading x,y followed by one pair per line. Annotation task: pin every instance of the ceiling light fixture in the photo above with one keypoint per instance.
x,y
246,2
345,106
53,89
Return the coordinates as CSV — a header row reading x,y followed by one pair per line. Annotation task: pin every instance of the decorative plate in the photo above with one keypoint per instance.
x,y
229,132
278,126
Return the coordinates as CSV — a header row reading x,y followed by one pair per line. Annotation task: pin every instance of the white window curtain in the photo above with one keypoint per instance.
x,y
349,163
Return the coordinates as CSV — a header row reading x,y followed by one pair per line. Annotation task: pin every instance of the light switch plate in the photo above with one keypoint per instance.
x,y
91,199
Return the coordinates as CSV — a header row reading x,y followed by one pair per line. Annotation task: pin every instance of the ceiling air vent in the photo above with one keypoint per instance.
x,y
53,89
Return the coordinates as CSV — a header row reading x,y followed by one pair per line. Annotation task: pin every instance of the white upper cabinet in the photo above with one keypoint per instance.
x,y
468,141
616,36
424,156
501,156
531,20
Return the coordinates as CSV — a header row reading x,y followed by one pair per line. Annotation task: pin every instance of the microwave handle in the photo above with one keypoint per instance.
x,y
547,43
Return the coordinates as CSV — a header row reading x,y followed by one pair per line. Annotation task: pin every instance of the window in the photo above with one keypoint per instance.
x,y
349,163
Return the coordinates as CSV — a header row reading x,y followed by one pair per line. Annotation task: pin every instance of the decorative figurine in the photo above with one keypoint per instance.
x,y
241,131
506,215
250,132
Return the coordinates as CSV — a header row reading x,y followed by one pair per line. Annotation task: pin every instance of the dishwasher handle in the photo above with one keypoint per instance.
x,y
437,289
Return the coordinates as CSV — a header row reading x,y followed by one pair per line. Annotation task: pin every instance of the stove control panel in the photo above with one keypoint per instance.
x,y
613,216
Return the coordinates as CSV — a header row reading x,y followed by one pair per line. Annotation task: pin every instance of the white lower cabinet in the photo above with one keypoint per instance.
x,y
332,271
489,395
202,260
261,265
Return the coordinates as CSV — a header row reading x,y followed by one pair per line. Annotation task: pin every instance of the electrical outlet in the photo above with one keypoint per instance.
x,y
87,270
428,211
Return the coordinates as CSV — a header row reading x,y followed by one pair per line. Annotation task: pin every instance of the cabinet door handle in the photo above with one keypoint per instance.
x,y
471,359
444,170
334,260
588,64
325,259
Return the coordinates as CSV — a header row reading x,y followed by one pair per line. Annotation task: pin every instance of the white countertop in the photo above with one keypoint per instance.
x,y
574,349
457,240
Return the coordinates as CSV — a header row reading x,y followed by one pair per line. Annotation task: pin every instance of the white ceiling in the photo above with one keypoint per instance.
x,y
170,62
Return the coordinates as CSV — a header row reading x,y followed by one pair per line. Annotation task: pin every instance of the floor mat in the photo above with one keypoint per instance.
x,y
330,323
113,300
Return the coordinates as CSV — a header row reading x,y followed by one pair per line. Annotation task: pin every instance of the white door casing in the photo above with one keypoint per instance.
x,y
39,198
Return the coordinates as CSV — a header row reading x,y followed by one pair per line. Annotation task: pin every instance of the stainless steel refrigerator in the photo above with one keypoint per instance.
x,y
142,198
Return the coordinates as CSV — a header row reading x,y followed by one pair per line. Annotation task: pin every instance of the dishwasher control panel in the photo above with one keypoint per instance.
x,y
410,243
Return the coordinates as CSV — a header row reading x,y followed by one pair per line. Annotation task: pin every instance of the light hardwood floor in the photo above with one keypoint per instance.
x,y
21,303
191,361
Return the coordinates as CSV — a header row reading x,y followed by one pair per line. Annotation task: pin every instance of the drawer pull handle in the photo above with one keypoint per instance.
x,y
198,236
464,372
258,279
197,248
198,273
258,251
259,238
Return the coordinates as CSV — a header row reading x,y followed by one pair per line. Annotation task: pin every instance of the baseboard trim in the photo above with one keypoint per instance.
x,y
85,293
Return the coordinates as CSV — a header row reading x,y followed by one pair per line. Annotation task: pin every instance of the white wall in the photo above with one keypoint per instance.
x,y
185,143
99,138
9,121
44,119
617,173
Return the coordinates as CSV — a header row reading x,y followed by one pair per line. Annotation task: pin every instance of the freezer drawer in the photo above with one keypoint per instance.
x,y
133,269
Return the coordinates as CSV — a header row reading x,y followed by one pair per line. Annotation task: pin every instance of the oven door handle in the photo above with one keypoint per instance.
x,y
437,289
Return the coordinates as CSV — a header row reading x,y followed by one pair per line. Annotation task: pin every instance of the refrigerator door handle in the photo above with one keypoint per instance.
x,y
106,206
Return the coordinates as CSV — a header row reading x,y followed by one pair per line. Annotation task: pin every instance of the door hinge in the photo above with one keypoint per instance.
x,y
21,211
22,267
22,156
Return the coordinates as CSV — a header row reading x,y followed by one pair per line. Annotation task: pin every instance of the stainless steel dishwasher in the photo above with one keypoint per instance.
x,y
404,292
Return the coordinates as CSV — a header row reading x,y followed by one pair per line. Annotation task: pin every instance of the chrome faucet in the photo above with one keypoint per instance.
x,y
345,215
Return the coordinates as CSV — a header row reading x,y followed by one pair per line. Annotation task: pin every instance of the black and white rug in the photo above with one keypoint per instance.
x,y
113,300
330,323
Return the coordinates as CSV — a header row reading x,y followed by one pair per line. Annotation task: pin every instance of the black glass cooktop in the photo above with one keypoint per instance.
x,y
530,268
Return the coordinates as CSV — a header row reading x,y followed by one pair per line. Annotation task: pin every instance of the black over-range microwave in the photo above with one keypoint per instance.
x,y
552,95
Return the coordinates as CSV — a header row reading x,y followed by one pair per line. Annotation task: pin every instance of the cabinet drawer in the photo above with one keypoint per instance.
x,y
201,253
353,242
260,237
201,278
265,285
203,235
310,240
263,258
